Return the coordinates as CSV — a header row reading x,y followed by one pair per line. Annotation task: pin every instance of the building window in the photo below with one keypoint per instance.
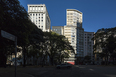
x,y
36,8
42,8
39,8
72,38
33,8
30,8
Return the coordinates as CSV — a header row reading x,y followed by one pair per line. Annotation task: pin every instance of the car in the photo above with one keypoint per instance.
x,y
64,65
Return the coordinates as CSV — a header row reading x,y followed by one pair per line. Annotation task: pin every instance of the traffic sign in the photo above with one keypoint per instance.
x,y
7,35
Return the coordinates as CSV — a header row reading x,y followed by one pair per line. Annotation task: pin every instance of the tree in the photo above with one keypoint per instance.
x,y
105,42
57,46
14,19
111,46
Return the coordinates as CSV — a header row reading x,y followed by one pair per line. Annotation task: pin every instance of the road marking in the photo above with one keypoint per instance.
x,y
91,69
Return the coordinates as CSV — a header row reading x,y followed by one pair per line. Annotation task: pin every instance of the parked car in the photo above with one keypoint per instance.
x,y
64,65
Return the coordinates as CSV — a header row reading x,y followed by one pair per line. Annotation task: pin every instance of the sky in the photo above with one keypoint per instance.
x,y
97,14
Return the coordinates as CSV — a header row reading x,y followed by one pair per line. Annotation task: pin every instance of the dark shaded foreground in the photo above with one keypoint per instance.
x,y
75,71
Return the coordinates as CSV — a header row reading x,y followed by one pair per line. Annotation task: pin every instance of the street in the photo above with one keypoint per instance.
x,y
97,71
84,71
75,71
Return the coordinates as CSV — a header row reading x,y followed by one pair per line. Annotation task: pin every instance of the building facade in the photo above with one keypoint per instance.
x,y
58,29
74,22
88,43
38,14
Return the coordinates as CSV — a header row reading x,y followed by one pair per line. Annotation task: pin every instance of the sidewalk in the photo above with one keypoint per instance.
x,y
22,71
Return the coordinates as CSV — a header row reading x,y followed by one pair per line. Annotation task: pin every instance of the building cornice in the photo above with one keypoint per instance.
x,y
74,10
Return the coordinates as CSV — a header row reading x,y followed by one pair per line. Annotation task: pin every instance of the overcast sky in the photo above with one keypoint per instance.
x,y
97,14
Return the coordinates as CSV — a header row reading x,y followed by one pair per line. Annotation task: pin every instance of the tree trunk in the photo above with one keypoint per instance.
x,y
43,61
24,54
113,60
52,63
106,58
2,54
2,59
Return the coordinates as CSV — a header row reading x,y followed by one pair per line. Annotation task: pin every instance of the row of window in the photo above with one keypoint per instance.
x,y
36,8
40,26
35,14
55,29
73,13
34,17
67,35
37,20
89,34
70,16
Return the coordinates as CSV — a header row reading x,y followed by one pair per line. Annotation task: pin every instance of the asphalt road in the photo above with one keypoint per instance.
x,y
83,71
75,71
97,71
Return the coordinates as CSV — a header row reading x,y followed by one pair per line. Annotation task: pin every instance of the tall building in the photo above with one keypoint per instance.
x,y
74,31
74,17
39,16
88,43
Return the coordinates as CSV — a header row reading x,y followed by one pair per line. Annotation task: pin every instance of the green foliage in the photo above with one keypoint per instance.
x,y
14,19
56,46
105,40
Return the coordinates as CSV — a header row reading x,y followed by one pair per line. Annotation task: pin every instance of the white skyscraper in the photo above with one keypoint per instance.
x,y
74,31
39,16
